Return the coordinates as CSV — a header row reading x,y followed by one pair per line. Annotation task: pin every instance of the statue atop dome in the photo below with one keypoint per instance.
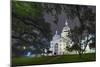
x,y
56,32
66,23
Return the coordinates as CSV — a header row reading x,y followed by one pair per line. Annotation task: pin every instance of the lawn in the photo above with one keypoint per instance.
x,y
20,61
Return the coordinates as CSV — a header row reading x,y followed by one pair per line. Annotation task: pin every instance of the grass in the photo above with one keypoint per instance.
x,y
20,61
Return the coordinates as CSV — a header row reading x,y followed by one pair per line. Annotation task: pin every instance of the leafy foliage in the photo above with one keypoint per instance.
x,y
23,9
29,28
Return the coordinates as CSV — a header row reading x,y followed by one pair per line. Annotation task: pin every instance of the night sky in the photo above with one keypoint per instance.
x,y
62,19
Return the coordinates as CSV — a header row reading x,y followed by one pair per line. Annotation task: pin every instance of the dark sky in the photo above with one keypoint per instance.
x,y
61,22
62,19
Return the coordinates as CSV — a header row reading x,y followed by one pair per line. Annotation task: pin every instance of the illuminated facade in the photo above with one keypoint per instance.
x,y
60,42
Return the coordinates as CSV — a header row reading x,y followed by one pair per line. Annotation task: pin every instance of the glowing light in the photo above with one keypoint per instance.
x,y
29,53
66,23
24,47
45,50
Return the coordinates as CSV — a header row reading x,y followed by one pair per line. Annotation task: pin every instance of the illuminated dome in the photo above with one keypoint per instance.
x,y
66,28
65,31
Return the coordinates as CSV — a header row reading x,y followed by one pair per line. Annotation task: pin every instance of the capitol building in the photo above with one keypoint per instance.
x,y
59,43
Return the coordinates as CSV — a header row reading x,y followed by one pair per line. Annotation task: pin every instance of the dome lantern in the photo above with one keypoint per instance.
x,y
66,23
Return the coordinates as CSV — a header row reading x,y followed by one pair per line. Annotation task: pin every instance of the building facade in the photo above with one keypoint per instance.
x,y
59,43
